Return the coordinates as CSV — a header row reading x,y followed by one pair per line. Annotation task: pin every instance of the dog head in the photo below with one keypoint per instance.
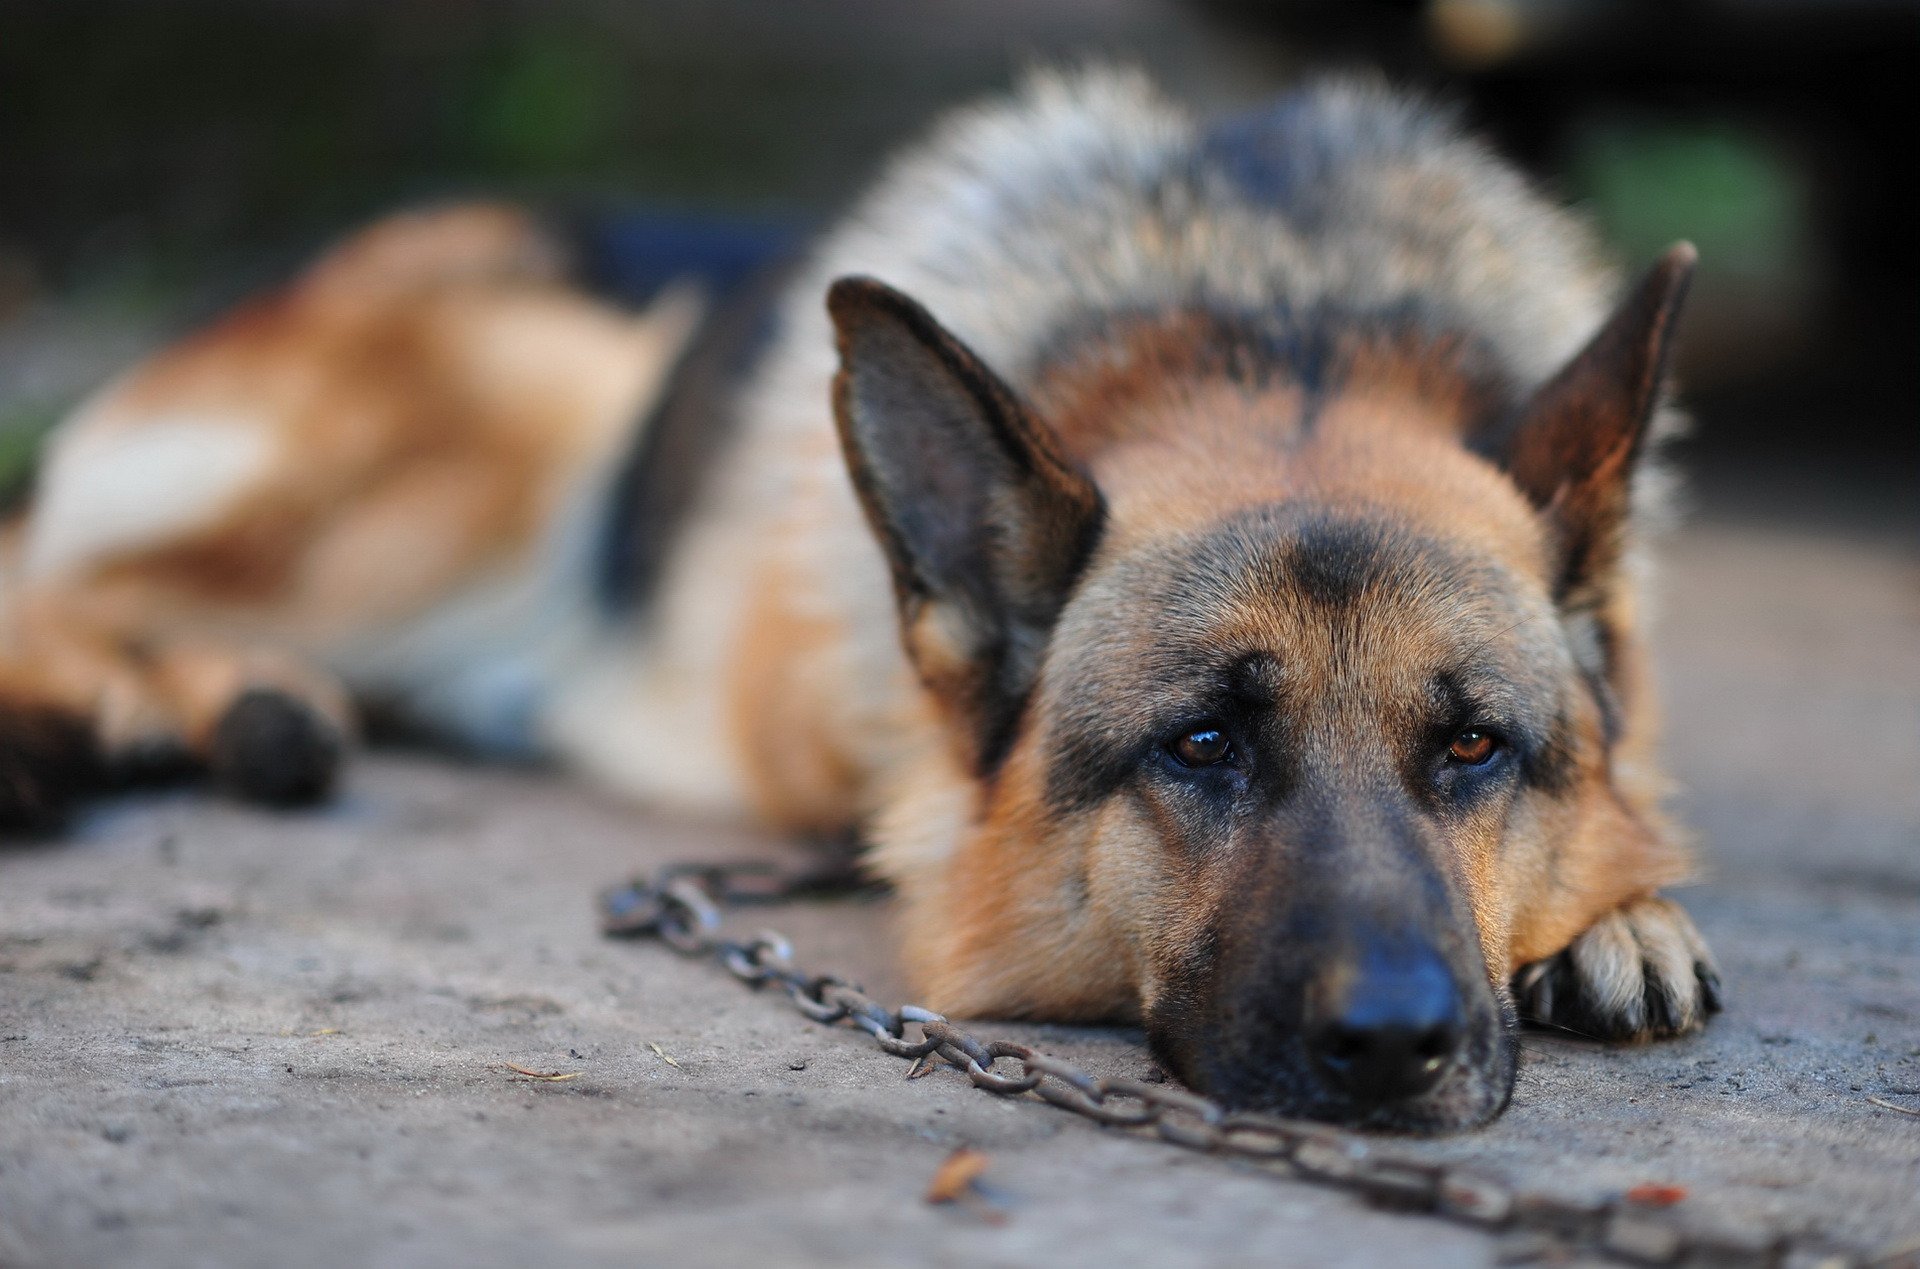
x,y
1293,720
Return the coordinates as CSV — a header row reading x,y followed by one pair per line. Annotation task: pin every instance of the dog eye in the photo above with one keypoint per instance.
x,y
1202,747
1473,747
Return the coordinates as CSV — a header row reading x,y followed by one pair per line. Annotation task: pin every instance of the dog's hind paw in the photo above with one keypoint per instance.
x,y
48,760
1642,972
274,748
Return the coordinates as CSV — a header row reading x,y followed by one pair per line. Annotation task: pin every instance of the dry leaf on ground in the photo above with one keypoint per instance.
x,y
1656,1195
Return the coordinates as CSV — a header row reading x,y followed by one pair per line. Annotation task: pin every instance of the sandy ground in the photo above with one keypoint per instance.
x,y
232,1038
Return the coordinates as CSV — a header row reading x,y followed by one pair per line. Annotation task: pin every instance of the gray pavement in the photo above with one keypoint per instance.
x,y
233,1038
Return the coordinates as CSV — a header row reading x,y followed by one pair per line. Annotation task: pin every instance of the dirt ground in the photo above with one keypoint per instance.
x,y
228,1037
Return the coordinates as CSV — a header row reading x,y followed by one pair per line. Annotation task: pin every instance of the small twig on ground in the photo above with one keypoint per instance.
x,y
549,1077
1881,1101
664,1056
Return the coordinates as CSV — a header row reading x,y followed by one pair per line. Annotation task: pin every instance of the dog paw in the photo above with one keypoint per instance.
x,y
276,749
48,760
1640,973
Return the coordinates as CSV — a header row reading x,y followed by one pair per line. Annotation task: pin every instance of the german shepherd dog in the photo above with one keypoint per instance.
x,y
1201,558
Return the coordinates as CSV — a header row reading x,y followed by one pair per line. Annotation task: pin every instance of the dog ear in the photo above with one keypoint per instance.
x,y
984,523
1575,445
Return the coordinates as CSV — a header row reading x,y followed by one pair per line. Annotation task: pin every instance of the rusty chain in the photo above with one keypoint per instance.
x,y
682,907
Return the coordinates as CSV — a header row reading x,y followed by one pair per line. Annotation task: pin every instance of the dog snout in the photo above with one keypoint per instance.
x,y
1390,1030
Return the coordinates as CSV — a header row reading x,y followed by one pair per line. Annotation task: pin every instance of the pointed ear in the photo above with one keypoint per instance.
x,y
1575,446
984,523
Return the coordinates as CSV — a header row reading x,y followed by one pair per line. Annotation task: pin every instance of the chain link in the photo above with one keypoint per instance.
x,y
683,907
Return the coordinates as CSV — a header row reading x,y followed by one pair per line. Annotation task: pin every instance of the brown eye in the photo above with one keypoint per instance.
x,y
1203,747
1472,748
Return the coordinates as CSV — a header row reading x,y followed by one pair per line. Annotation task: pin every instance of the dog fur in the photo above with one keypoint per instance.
x,y
1213,485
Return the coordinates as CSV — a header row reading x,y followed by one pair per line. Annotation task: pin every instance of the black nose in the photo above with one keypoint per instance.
x,y
1392,1032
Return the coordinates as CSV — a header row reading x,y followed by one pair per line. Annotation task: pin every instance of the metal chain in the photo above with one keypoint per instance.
x,y
682,906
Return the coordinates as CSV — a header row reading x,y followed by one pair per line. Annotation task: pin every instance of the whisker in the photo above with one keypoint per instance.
x,y
1560,1026
1501,634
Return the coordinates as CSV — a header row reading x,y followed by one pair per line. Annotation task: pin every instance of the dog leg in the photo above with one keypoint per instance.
x,y
1642,972
267,727
82,709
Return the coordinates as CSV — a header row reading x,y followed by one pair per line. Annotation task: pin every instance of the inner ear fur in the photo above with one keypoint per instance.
x,y
984,523
1574,447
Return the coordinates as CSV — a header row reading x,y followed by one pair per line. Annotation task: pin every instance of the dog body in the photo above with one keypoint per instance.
x,y
1230,622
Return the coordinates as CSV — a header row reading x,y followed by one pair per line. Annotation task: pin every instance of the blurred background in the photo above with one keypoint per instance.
x,y
162,158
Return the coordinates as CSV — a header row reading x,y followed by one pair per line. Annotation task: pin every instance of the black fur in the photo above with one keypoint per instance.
x,y
1335,562
1308,346
628,258
274,749
49,759
678,444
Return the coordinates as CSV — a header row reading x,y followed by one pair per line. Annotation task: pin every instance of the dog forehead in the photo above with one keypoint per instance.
x,y
1277,576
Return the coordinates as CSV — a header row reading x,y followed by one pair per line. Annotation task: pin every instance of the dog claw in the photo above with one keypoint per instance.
x,y
1639,973
1710,992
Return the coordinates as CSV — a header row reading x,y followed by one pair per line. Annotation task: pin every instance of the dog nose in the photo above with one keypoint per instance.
x,y
1391,1034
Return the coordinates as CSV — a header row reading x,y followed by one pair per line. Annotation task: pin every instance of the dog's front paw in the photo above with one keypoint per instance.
x,y
1639,973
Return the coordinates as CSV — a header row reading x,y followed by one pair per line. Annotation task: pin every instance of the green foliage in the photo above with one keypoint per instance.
x,y
549,103
23,425
1736,196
